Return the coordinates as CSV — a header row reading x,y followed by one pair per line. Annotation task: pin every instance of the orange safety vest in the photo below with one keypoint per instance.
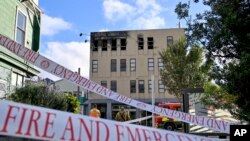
x,y
95,113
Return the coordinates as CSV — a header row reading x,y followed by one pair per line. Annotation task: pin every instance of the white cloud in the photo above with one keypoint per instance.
x,y
71,55
53,25
141,14
115,10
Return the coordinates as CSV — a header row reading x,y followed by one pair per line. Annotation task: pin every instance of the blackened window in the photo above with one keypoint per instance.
x,y
160,64
140,43
123,44
113,44
104,45
170,40
94,66
95,45
113,85
113,65
141,86
132,64
104,83
150,42
150,64
123,65
132,86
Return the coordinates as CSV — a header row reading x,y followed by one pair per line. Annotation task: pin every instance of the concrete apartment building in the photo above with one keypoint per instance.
x,y
20,21
124,61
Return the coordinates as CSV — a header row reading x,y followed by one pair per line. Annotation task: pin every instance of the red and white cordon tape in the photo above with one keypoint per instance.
x,y
73,77
21,120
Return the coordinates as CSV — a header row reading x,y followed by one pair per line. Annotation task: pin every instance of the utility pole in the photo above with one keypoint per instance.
x,y
78,87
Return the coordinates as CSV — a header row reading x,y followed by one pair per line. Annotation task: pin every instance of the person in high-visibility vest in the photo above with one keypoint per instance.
x,y
94,112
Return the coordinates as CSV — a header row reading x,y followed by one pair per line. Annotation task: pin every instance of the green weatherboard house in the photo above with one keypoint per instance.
x,y
20,21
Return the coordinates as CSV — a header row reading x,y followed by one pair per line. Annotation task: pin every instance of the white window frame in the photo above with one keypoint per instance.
x,y
25,28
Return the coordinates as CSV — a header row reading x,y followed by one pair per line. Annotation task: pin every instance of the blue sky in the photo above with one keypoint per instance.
x,y
64,20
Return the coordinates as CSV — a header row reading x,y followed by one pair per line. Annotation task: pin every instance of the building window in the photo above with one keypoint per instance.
x,y
123,65
132,86
160,64
161,86
123,44
104,45
113,85
95,45
141,86
17,80
113,65
150,86
150,43
20,28
140,43
94,65
170,40
113,44
132,64
104,83
150,64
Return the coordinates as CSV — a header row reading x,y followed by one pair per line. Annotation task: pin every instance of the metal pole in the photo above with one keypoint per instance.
x,y
153,99
78,87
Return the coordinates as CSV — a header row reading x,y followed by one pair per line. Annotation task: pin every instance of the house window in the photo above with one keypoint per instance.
x,y
17,79
150,42
170,40
95,45
113,65
132,86
140,43
104,83
132,64
113,44
123,44
104,45
123,65
150,86
94,65
160,64
20,28
150,64
141,86
113,85
161,86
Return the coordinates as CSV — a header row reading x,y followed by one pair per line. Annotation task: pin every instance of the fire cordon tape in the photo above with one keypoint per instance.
x,y
73,77
21,120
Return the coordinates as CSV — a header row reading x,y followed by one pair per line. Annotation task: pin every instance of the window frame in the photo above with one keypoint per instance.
x,y
140,42
149,86
132,68
123,65
161,87
104,45
104,83
113,67
150,43
141,86
94,66
123,44
160,64
113,44
150,64
113,85
132,86
170,40
22,29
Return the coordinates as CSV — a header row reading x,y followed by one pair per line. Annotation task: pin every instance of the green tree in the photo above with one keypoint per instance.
x,y
40,95
224,31
183,67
